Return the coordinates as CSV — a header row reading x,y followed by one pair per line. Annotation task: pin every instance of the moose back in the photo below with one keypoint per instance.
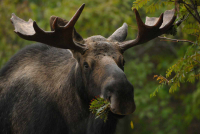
x,y
46,88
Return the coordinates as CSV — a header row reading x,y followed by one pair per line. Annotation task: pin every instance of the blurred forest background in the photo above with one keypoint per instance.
x,y
174,113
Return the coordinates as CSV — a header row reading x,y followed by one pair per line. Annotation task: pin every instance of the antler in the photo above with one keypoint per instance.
x,y
61,37
152,28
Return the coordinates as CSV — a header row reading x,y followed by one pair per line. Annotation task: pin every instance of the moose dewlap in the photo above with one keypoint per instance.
x,y
46,88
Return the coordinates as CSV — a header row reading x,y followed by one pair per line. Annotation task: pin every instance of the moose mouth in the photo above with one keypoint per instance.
x,y
117,116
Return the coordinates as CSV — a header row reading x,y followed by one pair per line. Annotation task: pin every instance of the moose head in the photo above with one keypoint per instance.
x,y
100,59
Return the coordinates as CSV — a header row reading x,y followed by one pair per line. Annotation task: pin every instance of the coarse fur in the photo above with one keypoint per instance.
x,y
43,90
48,90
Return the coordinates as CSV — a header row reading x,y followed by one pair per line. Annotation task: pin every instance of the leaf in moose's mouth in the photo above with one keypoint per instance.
x,y
100,108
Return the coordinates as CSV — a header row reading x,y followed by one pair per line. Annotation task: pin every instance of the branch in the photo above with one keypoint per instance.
x,y
181,20
175,40
182,2
196,61
195,9
192,13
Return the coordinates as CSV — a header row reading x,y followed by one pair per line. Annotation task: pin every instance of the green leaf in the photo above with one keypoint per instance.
x,y
100,108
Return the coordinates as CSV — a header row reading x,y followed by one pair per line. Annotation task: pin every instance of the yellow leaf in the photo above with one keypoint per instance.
x,y
132,126
155,76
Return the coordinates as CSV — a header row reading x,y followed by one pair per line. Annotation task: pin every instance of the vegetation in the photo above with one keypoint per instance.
x,y
100,108
174,112
186,69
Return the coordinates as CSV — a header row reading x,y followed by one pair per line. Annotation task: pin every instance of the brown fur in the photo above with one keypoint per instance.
x,y
65,81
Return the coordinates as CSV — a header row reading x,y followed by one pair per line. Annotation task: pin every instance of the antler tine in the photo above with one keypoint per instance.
x,y
55,23
152,28
138,19
142,28
159,22
169,25
61,37
73,20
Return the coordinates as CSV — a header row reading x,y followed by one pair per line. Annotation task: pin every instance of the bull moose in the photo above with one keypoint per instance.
x,y
46,88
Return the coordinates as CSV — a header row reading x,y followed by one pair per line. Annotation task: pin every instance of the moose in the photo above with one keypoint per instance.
x,y
47,87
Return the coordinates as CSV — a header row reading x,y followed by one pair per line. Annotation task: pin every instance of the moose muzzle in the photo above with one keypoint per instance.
x,y
119,91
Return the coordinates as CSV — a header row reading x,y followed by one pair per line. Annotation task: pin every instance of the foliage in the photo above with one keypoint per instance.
x,y
187,68
176,113
152,5
100,108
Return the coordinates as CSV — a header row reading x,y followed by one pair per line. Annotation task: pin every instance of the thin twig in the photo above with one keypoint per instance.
x,y
192,7
176,40
183,2
181,20
197,35
169,40
186,17
192,13
195,9
197,61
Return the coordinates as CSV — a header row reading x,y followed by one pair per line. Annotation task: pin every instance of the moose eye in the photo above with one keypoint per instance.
x,y
85,64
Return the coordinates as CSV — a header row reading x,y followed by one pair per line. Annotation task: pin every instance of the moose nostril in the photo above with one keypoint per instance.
x,y
113,109
109,99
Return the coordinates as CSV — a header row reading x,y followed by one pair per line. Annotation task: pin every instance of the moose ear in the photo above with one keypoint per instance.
x,y
120,34
62,22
